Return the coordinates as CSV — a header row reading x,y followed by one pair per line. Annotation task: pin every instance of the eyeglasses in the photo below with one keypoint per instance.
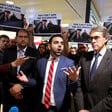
x,y
95,38
23,36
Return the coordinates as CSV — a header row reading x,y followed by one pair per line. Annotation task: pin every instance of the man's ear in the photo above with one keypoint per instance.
x,y
106,38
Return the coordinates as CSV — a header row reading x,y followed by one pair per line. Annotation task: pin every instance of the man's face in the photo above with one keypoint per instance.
x,y
56,46
22,39
98,41
82,48
4,43
73,51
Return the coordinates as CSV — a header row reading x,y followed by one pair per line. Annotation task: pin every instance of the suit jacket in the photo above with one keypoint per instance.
x,y
95,95
4,69
61,82
28,68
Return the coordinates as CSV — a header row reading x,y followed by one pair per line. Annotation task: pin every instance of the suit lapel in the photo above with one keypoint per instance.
x,y
15,57
104,62
59,66
86,66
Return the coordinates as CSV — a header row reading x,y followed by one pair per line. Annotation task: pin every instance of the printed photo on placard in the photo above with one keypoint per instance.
x,y
108,24
79,32
11,16
47,24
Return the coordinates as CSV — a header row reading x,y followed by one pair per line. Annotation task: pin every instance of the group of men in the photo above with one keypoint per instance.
x,y
44,85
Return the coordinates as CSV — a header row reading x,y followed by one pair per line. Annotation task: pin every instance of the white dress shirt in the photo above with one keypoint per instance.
x,y
52,100
102,53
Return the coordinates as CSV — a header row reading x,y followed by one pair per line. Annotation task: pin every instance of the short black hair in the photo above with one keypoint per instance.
x,y
24,30
53,36
4,36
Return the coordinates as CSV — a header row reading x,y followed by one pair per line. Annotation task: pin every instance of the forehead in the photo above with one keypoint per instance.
x,y
96,33
22,32
57,39
4,38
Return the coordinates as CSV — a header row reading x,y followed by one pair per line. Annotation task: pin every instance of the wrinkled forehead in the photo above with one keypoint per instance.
x,y
96,33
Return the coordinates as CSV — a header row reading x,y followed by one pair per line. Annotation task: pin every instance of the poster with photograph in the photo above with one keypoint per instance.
x,y
11,16
79,32
47,24
108,25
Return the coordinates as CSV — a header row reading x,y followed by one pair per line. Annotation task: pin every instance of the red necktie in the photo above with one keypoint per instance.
x,y
48,85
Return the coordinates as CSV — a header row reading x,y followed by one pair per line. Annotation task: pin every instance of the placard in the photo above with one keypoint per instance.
x,y
79,32
11,16
47,24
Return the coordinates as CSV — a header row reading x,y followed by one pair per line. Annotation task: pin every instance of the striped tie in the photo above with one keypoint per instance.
x,y
48,85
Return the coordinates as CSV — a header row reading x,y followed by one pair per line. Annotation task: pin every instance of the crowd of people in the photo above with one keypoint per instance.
x,y
42,79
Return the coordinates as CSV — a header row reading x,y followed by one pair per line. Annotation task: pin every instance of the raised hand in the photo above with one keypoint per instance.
x,y
73,74
19,61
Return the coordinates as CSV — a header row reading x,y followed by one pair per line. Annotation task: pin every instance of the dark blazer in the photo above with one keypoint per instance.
x,y
4,69
28,68
61,82
95,95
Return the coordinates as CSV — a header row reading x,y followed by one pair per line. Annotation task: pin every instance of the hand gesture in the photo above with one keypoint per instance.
x,y
73,74
22,77
19,61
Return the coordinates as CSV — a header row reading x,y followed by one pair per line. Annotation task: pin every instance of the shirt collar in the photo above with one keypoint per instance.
x,y
22,49
50,58
102,52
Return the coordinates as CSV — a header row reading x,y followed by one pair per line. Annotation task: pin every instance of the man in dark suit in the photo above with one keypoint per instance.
x,y
60,85
94,93
11,85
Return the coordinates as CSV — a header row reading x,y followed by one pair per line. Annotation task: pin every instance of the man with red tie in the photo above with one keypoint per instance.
x,y
53,84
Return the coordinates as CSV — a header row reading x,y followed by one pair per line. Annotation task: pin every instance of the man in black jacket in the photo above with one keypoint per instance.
x,y
11,84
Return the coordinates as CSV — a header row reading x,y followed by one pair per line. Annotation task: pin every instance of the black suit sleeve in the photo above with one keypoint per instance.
x,y
105,105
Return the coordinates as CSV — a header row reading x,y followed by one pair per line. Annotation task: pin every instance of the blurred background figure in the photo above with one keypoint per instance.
x,y
72,53
12,42
65,35
82,48
42,49
25,23
31,41
4,43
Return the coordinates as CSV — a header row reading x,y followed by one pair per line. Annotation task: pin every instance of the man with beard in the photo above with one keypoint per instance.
x,y
15,92
52,82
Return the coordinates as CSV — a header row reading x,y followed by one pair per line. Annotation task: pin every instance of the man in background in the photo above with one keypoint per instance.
x,y
4,43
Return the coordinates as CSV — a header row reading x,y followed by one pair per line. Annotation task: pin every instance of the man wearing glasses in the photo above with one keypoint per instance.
x,y
11,84
94,93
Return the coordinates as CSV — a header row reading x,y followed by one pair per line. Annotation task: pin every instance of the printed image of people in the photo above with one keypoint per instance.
x,y
47,24
108,24
79,32
11,16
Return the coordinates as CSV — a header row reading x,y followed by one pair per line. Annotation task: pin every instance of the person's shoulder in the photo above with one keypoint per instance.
x,y
30,48
109,52
43,59
66,58
11,48
88,55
